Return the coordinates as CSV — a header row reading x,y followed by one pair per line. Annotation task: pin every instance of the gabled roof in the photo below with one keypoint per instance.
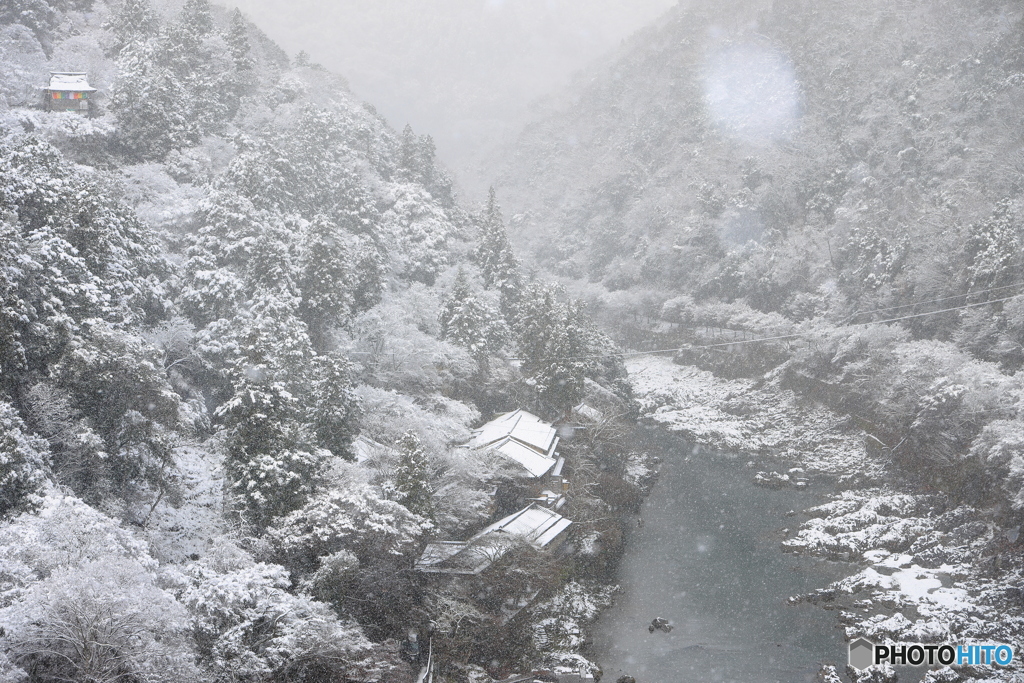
x,y
366,449
76,81
522,437
536,525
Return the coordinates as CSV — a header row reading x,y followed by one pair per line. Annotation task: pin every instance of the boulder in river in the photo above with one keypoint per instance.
x,y
660,623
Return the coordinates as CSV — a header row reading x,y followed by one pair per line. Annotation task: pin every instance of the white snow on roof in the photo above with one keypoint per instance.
x,y
70,80
536,525
366,449
534,463
522,437
436,553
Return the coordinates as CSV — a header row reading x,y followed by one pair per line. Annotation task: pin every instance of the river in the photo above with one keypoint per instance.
x,y
707,559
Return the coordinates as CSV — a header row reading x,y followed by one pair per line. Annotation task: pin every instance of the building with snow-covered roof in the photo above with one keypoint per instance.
x,y
542,528
68,91
522,438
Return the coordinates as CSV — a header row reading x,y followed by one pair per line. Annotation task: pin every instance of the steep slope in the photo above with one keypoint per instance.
x,y
813,143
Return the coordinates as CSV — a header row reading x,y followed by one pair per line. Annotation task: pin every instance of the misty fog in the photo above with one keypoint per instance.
x,y
464,71
667,342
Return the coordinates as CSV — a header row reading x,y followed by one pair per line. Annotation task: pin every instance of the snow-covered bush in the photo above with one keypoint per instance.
x,y
249,627
104,620
356,519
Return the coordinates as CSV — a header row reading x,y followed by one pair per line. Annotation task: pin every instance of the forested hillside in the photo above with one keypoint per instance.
x,y
886,184
845,180
791,167
211,288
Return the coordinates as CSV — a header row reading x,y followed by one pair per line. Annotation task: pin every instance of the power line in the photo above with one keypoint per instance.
x,y
796,335
934,301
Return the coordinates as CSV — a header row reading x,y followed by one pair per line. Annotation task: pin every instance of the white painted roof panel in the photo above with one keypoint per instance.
x,y
78,82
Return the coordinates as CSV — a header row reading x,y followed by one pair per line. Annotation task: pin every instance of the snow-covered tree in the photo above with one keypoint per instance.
x,y
419,232
151,104
101,621
271,469
496,258
993,250
411,477
334,408
326,278
383,535
238,40
249,627
357,519
559,345
472,324
23,463
131,22
117,381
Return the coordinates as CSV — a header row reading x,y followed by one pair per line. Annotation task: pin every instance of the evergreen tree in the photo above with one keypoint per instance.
x,y
195,22
270,469
471,324
23,463
497,260
412,477
243,80
132,22
993,250
326,279
427,160
409,154
151,105
559,346
238,41
334,405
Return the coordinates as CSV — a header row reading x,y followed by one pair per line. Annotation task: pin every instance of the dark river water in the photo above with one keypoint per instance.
x,y
707,559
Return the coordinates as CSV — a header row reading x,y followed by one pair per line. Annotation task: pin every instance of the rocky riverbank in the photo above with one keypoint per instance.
x,y
921,569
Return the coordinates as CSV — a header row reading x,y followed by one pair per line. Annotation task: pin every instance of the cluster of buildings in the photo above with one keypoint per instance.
x,y
530,445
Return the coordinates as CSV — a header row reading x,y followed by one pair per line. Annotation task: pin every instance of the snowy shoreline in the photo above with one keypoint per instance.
x,y
921,569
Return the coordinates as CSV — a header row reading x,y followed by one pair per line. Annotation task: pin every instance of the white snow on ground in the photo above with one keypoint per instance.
x,y
923,571
191,525
742,415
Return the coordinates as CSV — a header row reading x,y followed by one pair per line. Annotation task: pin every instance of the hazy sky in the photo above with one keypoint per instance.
x,y
462,70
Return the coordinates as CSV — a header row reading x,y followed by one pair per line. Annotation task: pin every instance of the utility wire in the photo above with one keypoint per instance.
x,y
933,301
796,335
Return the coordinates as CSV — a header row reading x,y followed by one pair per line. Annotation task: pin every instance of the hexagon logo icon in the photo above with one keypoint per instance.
x,y
862,653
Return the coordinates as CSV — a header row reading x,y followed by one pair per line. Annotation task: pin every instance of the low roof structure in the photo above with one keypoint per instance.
x,y
534,524
367,450
69,81
521,437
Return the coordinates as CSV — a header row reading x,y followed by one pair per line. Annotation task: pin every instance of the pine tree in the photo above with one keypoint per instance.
x,y
412,477
270,469
195,22
498,263
238,41
408,157
326,279
559,345
334,405
133,22
471,324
